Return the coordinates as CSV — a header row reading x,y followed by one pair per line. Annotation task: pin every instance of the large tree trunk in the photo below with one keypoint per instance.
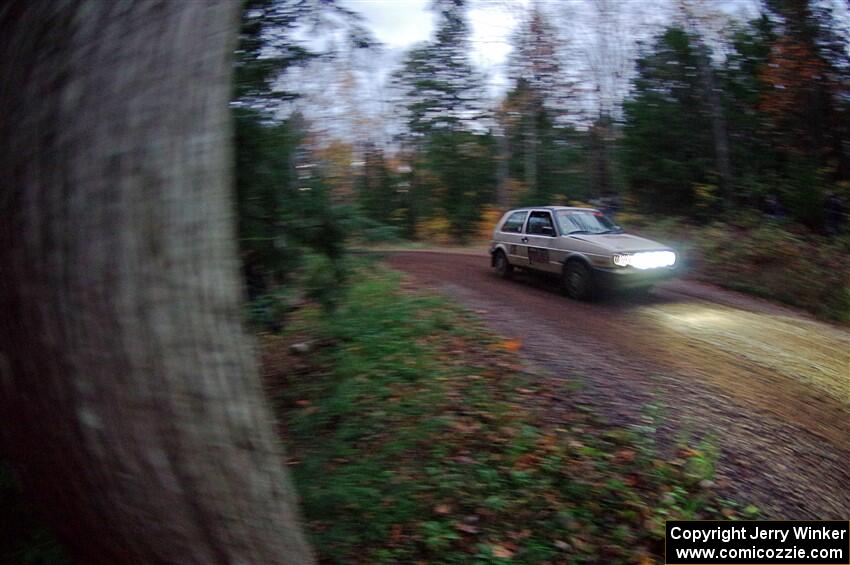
x,y
131,403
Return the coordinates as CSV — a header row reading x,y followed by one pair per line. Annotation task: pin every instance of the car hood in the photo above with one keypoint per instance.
x,y
621,242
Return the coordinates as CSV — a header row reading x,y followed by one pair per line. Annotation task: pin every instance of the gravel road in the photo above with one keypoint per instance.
x,y
770,385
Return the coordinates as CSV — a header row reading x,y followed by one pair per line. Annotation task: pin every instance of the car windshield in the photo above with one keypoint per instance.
x,y
585,221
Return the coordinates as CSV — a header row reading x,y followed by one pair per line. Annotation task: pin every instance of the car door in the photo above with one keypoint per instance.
x,y
511,233
540,234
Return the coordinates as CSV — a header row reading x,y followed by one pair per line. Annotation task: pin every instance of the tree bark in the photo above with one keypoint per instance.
x,y
132,408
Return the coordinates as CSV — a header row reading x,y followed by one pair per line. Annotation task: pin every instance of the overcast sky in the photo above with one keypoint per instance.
x,y
400,24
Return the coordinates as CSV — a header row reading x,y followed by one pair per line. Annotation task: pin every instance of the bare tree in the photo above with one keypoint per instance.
x,y
535,70
602,54
130,398
711,94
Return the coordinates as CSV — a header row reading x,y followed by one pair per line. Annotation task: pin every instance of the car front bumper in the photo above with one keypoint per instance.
x,y
629,277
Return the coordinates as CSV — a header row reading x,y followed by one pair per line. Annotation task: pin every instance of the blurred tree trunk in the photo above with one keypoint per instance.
x,y
710,95
719,132
600,158
530,143
132,407
502,161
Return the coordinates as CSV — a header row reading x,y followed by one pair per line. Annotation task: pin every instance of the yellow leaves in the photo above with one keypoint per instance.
x,y
689,452
435,230
548,442
489,217
501,551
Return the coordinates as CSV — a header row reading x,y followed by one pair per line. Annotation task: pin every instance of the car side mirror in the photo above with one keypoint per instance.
x,y
547,230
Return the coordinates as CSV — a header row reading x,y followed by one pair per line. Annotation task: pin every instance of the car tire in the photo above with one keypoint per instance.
x,y
503,268
578,281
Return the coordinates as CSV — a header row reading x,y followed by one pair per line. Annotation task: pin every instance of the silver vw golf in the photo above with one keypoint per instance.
x,y
582,246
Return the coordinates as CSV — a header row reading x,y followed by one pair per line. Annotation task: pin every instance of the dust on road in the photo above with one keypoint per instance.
x,y
769,385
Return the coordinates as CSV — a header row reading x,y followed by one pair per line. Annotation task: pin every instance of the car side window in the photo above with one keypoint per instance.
x,y
540,223
514,222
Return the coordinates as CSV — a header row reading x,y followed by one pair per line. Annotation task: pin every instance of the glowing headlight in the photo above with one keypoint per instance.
x,y
652,259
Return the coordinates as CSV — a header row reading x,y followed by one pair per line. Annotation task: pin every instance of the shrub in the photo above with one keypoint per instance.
x,y
435,230
803,270
778,260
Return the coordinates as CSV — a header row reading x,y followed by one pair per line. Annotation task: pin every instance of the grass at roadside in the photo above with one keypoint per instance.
x,y
414,434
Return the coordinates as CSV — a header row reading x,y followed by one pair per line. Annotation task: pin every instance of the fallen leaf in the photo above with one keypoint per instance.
x,y
442,509
501,552
520,535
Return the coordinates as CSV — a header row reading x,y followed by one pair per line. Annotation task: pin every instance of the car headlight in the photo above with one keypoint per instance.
x,y
622,260
652,259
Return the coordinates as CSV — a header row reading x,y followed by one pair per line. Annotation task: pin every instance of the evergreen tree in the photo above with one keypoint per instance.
x,y
440,88
281,214
454,162
667,134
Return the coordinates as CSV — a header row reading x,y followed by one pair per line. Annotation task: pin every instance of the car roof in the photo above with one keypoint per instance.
x,y
551,208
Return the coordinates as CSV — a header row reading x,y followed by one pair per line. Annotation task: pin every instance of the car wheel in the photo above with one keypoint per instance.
x,y
578,281
503,268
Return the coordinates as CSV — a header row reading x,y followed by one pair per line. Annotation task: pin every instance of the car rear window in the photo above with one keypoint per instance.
x,y
514,222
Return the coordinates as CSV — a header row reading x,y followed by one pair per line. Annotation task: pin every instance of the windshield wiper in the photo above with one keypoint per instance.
x,y
578,231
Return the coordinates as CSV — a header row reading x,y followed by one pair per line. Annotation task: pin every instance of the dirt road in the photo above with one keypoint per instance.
x,y
768,384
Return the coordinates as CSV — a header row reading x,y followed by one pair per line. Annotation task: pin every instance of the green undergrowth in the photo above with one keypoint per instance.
x,y
414,435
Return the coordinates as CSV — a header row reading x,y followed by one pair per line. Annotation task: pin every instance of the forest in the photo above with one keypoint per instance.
x,y
729,133
249,315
